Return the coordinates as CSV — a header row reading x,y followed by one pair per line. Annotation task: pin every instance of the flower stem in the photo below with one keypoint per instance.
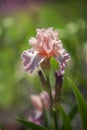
x,y
43,81
55,119
57,99
58,88
45,85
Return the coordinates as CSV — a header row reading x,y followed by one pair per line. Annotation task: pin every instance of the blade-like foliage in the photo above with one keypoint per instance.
x,y
53,68
31,125
81,104
73,112
66,120
2,128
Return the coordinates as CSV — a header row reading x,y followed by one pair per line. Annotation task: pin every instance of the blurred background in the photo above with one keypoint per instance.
x,y
18,22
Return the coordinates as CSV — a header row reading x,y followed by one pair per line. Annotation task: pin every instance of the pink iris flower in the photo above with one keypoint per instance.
x,y
40,102
45,45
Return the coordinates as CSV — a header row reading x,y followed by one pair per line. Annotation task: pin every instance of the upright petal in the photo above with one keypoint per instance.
x,y
31,59
36,101
32,41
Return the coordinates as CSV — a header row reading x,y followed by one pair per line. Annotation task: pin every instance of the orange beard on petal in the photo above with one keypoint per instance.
x,y
44,53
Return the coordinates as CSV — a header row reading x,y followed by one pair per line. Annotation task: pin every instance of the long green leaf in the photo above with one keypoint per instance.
x,y
73,112
66,120
31,125
2,128
81,103
53,68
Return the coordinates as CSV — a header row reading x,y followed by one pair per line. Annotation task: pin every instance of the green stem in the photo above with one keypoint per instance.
x,y
51,99
50,95
55,119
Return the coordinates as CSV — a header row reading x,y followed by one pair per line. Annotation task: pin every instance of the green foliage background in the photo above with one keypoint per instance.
x,y
69,18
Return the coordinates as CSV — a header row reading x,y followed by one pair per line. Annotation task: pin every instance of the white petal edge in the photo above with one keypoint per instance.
x,y
31,60
62,60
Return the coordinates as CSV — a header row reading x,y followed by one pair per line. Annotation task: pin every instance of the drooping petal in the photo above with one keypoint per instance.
x,y
31,59
36,117
62,60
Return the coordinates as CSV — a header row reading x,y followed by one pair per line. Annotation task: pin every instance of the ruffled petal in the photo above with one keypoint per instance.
x,y
62,60
32,41
31,59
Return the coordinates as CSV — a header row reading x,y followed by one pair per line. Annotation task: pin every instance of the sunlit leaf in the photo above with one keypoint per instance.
x,y
66,120
52,78
81,103
53,69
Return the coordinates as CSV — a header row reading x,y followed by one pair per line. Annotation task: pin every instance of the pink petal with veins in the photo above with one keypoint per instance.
x,y
31,59
62,60
46,44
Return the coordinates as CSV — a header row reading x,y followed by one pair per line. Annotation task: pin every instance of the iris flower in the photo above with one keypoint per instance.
x,y
40,102
45,45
